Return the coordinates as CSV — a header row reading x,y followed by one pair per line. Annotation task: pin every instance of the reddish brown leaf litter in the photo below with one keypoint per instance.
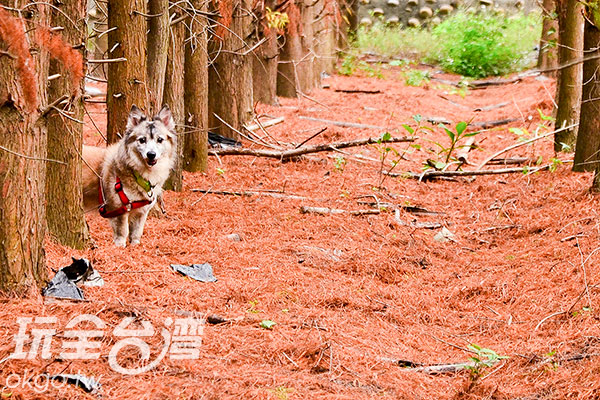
x,y
349,293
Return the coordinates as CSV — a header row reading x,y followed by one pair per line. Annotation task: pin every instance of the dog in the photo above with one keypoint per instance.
x,y
125,179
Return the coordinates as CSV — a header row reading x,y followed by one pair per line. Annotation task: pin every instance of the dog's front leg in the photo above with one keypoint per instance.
x,y
120,226
136,224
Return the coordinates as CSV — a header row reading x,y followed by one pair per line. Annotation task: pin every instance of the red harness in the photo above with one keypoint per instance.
x,y
125,208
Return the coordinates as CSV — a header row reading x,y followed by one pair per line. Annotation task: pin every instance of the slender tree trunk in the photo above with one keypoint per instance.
x,y
64,206
158,44
264,63
570,22
324,27
588,138
174,97
548,56
22,180
296,61
127,80
196,93
230,75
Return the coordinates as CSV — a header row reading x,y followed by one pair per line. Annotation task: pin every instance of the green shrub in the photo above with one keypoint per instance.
x,y
393,41
485,44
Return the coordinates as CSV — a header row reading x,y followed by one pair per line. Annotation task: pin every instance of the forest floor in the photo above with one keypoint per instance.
x,y
352,293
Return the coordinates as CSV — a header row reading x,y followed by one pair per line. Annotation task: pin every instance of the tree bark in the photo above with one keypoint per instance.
x,y
548,56
174,97
297,60
588,138
324,32
158,45
64,205
127,80
230,75
264,62
196,93
22,179
570,25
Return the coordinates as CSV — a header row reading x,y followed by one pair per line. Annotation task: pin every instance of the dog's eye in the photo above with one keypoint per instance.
x,y
142,140
160,140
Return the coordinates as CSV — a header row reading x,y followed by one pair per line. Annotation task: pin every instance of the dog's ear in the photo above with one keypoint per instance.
x,y
166,117
135,117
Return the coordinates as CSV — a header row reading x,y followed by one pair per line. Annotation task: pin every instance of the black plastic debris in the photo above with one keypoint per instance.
x,y
199,272
64,283
62,287
90,385
217,141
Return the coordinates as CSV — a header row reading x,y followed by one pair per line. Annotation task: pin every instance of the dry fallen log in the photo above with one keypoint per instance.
x,y
481,84
493,106
436,369
291,153
482,125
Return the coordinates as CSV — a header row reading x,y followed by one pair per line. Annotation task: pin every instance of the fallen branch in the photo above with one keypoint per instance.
x,y
510,161
250,193
493,107
437,174
328,211
481,84
514,146
365,91
482,125
265,124
436,369
343,123
291,153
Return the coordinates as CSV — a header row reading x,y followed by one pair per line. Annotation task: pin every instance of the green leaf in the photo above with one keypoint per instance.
x,y
267,324
408,128
386,137
460,127
440,165
417,117
449,133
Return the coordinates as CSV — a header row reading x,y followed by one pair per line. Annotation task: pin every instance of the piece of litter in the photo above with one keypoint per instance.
x,y
234,237
62,287
444,236
199,272
90,385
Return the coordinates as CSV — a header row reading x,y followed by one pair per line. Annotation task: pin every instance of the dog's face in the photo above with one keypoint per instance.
x,y
150,142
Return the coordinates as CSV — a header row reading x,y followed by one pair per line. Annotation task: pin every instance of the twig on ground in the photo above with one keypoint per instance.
x,y
265,124
249,193
429,174
291,153
365,91
343,123
327,211
516,145
311,137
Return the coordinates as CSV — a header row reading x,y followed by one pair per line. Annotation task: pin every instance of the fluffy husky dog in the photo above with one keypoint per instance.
x,y
126,178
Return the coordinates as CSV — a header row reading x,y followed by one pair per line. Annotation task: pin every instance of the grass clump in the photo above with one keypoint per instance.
x,y
392,41
486,44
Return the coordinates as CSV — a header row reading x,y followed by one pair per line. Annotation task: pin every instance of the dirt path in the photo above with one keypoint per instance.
x,y
348,293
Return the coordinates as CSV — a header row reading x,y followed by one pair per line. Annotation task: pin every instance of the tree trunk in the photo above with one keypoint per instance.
x,y
230,75
325,38
570,23
296,61
548,57
22,172
264,63
588,138
158,44
64,206
174,97
196,93
127,80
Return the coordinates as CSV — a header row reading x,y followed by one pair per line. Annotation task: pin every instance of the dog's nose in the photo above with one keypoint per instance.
x,y
151,155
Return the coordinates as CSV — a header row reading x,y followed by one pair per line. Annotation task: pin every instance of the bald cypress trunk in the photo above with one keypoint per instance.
x,y
64,210
127,80
22,170
158,45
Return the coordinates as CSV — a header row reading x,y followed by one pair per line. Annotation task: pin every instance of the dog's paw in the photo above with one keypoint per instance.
x,y
120,242
135,242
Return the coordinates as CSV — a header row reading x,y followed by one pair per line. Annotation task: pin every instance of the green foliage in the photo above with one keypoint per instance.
x,y
351,65
446,155
484,44
482,359
394,42
417,77
267,324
